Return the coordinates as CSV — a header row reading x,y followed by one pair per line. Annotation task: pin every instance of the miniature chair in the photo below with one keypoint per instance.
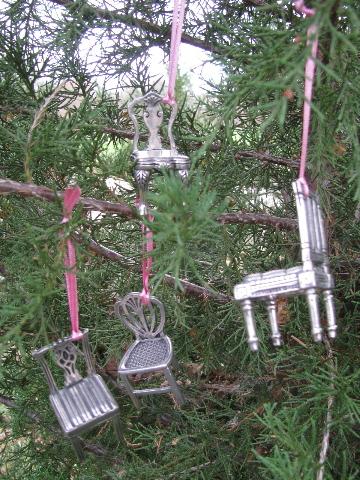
x,y
83,402
307,279
154,157
152,350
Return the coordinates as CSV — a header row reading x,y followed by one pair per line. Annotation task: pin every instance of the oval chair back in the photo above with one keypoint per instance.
x,y
145,321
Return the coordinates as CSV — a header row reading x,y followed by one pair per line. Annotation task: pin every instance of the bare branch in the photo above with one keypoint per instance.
x,y
125,211
45,193
265,157
188,288
259,219
113,15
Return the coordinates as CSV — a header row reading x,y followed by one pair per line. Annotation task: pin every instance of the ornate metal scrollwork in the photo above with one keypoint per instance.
x,y
154,157
66,355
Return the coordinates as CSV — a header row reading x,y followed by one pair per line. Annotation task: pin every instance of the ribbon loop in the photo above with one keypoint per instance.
x,y
71,197
312,40
176,31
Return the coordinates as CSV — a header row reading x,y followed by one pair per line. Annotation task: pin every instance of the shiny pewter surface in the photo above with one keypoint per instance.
x,y
308,279
154,157
151,351
83,402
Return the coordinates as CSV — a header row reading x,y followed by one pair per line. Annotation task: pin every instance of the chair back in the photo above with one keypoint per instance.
x,y
153,118
66,353
311,227
145,321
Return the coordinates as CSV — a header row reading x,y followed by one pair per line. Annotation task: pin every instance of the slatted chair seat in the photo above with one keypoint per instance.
x,y
83,402
306,279
152,350
282,282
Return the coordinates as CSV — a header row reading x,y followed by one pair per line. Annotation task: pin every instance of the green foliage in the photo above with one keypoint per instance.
x,y
248,416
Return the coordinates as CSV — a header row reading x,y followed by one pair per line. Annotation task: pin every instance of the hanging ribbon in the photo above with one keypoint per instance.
x,y
176,31
312,40
146,264
148,247
71,197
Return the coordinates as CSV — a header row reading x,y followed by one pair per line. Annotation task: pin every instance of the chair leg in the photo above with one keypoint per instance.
x,y
330,313
275,332
179,397
313,303
130,390
118,427
253,341
77,446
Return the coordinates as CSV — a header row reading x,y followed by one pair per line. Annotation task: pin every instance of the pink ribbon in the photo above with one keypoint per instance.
x,y
148,247
71,197
312,40
176,31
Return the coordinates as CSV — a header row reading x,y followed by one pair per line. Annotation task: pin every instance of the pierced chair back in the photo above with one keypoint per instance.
x,y
153,117
311,228
66,353
145,321
154,157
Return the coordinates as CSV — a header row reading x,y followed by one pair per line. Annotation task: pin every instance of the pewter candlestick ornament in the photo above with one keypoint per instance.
x,y
154,157
308,279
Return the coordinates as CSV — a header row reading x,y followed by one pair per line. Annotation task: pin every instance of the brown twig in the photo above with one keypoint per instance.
x,y
45,193
266,157
188,288
115,16
125,211
258,219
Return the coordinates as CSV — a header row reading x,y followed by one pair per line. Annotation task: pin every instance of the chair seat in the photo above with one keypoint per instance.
x,y
83,404
147,353
282,282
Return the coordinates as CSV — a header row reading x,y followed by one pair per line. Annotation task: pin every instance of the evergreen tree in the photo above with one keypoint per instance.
x,y
248,415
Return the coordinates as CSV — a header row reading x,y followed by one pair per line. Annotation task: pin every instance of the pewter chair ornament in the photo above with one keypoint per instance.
x,y
83,402
154,157
152,350
307,279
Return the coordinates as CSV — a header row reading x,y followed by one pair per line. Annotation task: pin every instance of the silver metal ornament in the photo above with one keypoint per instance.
x,y
83,402
154,157
152,350
308,279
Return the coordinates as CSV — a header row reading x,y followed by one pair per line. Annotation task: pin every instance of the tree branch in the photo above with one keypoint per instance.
x,y
113,15
44,193
265,157
258,219
189,288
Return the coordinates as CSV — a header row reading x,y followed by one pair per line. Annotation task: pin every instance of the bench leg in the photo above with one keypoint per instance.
x,y
330,313
313,303
130,390
253,341
275,332
179,397
77,446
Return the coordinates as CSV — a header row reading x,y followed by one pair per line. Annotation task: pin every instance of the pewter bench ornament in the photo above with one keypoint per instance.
x,y
154,157
152,350
307,279
83,402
